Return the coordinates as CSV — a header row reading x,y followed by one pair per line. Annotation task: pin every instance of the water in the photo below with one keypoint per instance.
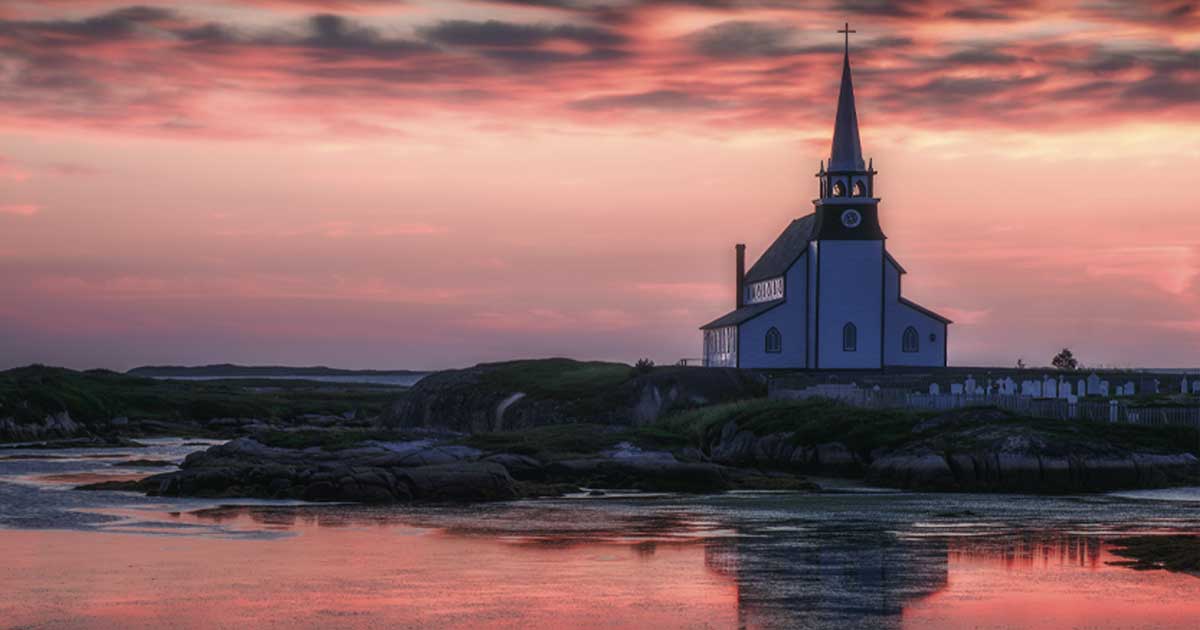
x,y
748,560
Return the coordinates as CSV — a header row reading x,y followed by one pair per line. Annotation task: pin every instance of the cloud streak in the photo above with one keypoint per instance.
x,y
154,69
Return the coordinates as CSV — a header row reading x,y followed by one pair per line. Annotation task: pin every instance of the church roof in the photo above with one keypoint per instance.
x,y
921,309
847,149
784,251
743,314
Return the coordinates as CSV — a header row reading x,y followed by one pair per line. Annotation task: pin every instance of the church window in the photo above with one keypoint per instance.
x,y
859,189
912,341
849,337
839,189
774,340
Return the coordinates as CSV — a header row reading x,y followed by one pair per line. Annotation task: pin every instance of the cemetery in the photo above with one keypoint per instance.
x,y
1119,396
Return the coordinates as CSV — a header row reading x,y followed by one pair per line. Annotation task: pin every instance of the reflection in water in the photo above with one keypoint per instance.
x,y
105,560
828,579
1050,580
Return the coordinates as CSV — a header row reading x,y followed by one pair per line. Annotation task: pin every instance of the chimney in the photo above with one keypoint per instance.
x,y
741,275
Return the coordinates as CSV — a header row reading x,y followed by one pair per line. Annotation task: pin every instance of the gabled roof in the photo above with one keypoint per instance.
x,y
921,309
743,314
784,251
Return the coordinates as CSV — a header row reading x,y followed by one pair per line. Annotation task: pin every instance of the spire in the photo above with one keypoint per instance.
x,y
847,150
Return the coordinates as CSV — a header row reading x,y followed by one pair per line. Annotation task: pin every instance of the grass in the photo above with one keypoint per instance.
x,y
811,421
558,379
30,393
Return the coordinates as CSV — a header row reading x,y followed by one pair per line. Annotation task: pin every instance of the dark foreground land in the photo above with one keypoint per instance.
x,y
537,428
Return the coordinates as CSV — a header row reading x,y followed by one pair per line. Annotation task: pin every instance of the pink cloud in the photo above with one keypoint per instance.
x,y
22,209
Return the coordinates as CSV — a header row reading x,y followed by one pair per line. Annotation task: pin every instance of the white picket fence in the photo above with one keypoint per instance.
x,y
1117,411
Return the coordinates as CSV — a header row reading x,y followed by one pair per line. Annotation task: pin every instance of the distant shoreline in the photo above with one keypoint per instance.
x,y
323,374
221,370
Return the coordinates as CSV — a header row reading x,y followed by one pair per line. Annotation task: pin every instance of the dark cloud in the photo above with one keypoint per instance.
x,y
980,57
979,15
335,35
115,25
1162,88
508,34
669,100
738,39
884,8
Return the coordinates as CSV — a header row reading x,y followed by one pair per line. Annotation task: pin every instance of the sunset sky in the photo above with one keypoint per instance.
x,y
434,183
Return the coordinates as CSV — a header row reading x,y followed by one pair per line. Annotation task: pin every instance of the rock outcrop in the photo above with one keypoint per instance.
x,y
54,426
972,457
429,470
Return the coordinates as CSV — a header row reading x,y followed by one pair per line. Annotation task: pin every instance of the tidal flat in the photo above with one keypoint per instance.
x,y
849,557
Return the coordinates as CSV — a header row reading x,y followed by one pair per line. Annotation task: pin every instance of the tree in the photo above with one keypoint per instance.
x,y
1065,360
1020,363
643,366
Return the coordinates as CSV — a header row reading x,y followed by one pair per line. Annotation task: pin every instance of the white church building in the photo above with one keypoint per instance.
x,y
826,294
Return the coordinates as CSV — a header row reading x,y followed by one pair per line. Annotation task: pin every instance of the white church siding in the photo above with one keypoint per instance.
x,y
929,353
850,290
900,316
788,318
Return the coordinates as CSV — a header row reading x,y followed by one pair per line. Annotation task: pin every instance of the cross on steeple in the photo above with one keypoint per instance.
x,y
847,30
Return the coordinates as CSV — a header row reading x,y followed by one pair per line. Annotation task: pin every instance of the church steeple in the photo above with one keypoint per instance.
x,y
847,208
846,175
847,149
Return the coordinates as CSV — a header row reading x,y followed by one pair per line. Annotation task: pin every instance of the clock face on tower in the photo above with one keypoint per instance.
x,y
851,218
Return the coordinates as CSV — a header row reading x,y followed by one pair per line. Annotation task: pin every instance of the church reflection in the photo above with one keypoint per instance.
x,y
829,579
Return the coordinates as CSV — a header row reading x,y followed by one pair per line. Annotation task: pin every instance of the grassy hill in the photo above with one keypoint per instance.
x,y
31,393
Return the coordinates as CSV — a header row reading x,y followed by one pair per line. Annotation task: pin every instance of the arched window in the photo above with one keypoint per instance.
x,y
860,190
849,337
911,341
774,341
839,189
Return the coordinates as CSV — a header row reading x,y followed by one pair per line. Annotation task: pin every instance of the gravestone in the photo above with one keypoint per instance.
x,y
934,390
1064,390
1008,386
1130,389
1093,385
1183,386
1049,388
969,384
1027,388
1104,388
1196,386
956,388
1081,387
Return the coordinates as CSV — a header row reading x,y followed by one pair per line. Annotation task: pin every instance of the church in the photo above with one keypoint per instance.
x,y
826,294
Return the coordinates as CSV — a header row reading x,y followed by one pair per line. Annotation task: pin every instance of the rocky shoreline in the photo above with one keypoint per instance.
x,y
432,470
977,451
547,427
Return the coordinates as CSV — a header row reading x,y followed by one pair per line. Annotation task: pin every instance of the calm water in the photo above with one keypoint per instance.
x,y
862,560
